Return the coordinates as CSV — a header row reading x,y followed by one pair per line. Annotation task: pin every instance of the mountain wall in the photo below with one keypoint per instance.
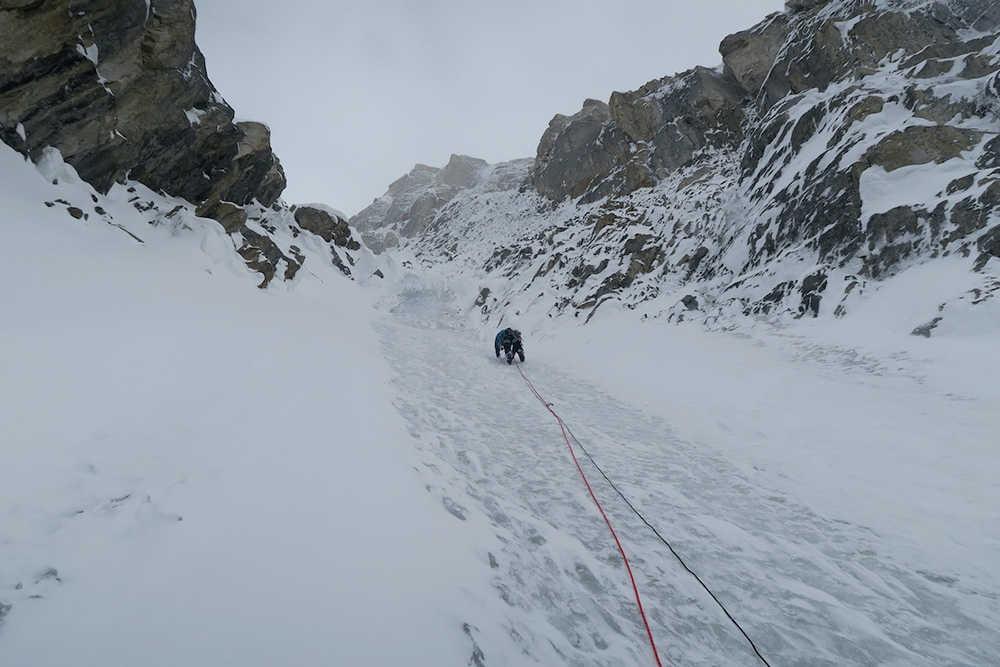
x,y
839,143
121,90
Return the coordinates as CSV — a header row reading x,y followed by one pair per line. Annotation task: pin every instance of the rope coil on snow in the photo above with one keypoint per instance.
x,y
566,430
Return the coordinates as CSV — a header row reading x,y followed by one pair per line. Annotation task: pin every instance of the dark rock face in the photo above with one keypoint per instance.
x,y
638,138
577,154
922,144
121,89
680,116
747,56
812,289
329,227
800,5
264,256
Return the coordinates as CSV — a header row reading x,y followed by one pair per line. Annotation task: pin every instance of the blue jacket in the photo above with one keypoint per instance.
x,y
513,335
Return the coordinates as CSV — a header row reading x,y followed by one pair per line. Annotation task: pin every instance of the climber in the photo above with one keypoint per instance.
x,y
510,340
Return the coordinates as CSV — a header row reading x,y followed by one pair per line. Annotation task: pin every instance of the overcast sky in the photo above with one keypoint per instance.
x,y
356,92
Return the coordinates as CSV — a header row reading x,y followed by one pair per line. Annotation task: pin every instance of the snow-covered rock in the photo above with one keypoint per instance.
x,y
838,145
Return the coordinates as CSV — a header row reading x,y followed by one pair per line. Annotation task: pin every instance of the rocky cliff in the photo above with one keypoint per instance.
x,y
839,143
120,89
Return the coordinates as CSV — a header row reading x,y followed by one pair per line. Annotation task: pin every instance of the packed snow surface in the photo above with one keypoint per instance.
x,y
198,472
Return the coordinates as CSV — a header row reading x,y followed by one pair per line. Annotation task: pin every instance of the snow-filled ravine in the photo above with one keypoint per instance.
x,y
194,471
837,496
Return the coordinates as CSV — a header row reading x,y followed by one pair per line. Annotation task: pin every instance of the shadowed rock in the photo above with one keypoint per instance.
x,y
121,90
331,228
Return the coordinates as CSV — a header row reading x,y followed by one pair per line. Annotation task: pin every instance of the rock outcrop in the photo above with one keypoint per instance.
x,y
121,90
638,138
573,158
326,224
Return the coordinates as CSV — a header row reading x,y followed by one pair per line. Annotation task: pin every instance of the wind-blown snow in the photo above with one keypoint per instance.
x,y
199,472
194,115
196,471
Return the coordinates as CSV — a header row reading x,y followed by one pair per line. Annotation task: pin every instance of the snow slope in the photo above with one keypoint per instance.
x,y
199,472
196,471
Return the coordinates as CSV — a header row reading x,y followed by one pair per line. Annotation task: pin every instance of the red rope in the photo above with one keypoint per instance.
x,y
621,550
